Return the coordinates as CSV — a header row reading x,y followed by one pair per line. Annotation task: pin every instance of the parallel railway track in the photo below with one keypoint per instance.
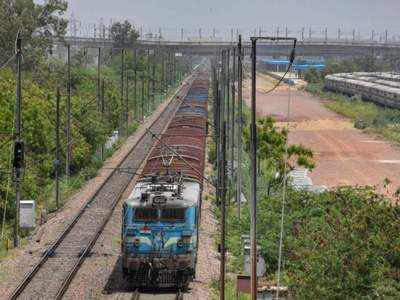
x,y
137,295
52,275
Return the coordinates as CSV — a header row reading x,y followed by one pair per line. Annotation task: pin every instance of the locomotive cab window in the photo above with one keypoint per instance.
x,y
145,214
173,214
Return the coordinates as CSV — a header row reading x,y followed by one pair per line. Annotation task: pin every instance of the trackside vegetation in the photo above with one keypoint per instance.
x,y
340,244
43,71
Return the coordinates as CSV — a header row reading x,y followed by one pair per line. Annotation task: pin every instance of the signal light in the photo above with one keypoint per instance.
x,y
18,162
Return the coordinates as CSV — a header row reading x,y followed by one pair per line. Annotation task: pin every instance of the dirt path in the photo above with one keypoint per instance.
x,y
343,154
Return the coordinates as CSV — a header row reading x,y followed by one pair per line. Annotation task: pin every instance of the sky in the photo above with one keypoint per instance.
x,y
363,15
377,14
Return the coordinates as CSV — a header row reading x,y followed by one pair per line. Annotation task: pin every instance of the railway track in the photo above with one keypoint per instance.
x,y
52,275
137,295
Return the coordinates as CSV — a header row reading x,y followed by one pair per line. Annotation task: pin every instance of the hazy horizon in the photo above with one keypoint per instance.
x,y
359,14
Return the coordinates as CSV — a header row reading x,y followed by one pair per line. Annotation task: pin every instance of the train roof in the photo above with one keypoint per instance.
x,y
351,78
188,197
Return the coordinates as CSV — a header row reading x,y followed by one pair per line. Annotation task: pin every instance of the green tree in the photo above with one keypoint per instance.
x,y
38,24
271,147
123,34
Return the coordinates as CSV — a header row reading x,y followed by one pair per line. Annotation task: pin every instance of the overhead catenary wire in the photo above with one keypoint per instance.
x,y
292,57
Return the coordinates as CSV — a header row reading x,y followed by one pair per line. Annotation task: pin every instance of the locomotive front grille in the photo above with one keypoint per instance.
x,y
156,278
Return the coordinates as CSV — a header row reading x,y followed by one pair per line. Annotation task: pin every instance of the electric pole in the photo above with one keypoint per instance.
x,y
102,108
126,101
18,162
57,161
69,136
98,77
223,212
239,131
142,104
228,113
153,78
122,91
233,114
135,103
163,72
253,179
148,81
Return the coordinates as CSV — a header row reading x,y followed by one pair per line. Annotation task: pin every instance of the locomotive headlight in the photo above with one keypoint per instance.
x,y
179,243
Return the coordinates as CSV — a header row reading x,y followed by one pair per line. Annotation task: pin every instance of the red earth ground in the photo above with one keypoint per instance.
x,y
343,154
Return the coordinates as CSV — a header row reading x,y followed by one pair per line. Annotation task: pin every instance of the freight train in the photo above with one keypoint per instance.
x,y
380,88
161,216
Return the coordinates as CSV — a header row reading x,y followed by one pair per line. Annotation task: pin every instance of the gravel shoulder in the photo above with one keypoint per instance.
x,y
20,261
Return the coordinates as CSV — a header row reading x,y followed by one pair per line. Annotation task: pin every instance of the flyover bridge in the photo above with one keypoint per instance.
x,y
326,48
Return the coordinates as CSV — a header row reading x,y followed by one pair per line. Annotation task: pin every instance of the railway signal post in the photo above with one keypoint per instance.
x,y
18,162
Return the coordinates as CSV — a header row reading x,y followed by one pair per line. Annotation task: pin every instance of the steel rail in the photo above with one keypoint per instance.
x,y
48,253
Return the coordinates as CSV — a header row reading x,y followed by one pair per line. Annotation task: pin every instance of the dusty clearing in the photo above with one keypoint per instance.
x,y
343,154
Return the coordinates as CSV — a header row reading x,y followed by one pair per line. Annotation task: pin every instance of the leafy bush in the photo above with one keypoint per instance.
x,y
335,245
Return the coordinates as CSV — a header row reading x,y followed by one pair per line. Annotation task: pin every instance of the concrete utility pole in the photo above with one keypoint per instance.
x,y
18,162
148,80
253,166
162,85
57,161
233,115
228,104
153,78
135,102
239,131
126,101
142,104
98,76
69,136
102,108
223,212
122,91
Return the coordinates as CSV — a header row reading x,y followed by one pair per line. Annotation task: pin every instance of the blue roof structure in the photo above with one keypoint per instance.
x,y
302,65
